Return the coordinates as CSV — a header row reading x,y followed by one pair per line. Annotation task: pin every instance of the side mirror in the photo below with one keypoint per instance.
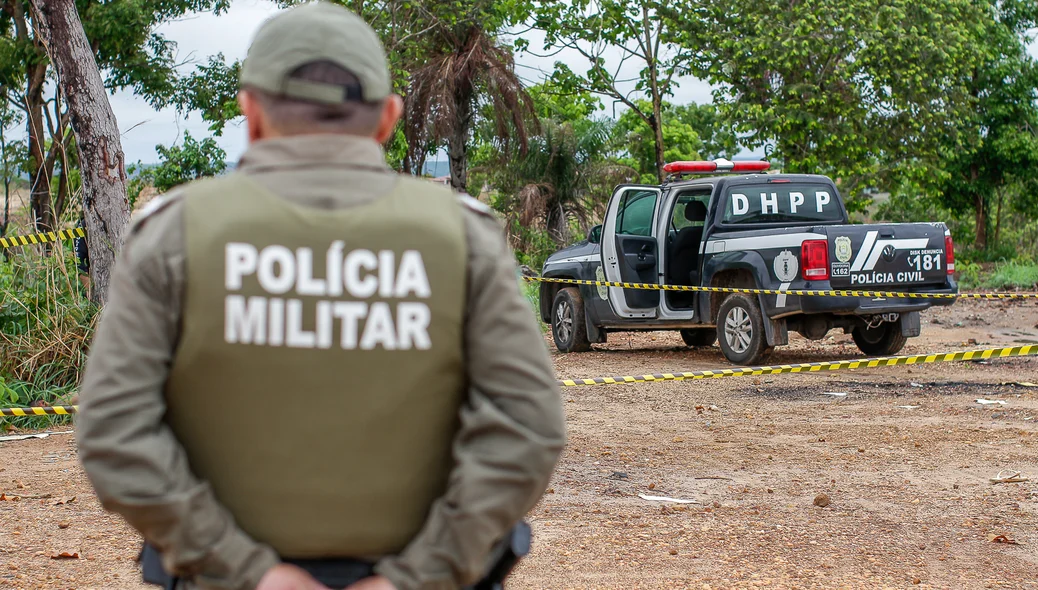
x,y
595,235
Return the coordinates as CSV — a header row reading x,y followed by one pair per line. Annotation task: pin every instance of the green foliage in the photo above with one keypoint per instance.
x,y
633,137
46,321
998,157
559,182
190,161
643,31
853,89
968,274
715,131
535,245
212,89
1014,274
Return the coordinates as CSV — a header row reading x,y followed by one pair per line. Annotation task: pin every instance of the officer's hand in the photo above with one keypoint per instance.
x,y
372,583
288,577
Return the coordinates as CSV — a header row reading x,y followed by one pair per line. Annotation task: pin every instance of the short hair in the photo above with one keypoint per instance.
x,y
292,116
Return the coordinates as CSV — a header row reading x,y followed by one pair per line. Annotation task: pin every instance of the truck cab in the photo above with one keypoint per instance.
x,y
744,230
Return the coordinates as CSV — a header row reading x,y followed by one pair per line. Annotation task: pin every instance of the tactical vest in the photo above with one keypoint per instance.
x,y
320,371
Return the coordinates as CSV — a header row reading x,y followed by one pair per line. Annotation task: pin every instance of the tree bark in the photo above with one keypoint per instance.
x,y
105,203
998,216
657,130
981,219
7,183
35,78
654,90
457,143
39,171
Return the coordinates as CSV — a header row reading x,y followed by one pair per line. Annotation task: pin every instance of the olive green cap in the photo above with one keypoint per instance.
x,y
315,32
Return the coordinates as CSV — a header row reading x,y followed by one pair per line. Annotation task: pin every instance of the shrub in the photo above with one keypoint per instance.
x,y
46,322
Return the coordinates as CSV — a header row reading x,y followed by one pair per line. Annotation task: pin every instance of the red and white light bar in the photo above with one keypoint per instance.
x,y
719,165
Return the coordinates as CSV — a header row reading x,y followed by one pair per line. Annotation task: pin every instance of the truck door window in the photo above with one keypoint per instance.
x,y
781,202
635,213
679,220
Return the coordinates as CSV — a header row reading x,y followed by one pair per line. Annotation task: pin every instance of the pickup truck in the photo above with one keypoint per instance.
x,y
741,227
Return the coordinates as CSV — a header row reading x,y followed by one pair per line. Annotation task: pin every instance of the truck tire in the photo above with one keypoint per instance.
x,y
884,340
699,337
567,321
740,330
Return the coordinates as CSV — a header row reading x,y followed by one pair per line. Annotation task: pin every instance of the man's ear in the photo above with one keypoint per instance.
x,y
255,118
392,109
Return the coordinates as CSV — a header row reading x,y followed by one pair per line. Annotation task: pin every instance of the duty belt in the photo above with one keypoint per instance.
x,y
338,573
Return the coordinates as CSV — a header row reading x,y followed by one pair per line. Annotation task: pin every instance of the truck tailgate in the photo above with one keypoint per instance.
x,y
902,255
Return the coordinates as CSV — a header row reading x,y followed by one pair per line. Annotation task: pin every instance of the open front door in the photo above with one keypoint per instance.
x,y
630,251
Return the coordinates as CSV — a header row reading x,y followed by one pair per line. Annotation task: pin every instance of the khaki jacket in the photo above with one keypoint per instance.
x,y
512,426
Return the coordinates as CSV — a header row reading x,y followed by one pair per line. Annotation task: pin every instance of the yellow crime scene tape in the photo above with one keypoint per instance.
x,y
68,234
888,294
43,238
871,363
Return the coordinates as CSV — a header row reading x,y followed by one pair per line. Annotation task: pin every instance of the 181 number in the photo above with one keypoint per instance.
x,y
925,262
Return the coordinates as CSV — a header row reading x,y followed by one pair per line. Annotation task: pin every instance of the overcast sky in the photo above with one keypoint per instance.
x,y
199,36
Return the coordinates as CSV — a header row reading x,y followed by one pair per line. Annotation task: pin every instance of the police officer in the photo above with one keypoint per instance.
x,y
312,370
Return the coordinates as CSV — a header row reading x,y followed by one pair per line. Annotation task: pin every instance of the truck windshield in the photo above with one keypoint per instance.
x,y
778,202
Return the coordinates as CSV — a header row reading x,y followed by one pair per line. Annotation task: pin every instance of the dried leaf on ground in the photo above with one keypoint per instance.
x,y
1002,539
65,555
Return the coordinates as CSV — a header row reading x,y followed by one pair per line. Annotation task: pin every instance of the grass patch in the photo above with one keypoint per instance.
x,y
46,322
1012,275
532,292
1001,276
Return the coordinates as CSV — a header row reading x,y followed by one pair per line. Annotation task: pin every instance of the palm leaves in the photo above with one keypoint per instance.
x,y
465,69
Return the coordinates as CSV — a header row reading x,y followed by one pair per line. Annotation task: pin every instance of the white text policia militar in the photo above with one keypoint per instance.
x,y
278,318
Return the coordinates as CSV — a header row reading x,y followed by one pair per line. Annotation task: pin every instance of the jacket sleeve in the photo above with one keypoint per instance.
x,y
512,429
130,456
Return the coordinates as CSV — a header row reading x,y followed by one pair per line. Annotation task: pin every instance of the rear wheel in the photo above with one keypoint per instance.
x,y
884,340
567,321
740,330
699,337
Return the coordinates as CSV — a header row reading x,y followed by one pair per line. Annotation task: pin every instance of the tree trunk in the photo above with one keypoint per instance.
x,y
657,130
457,143
7,183
105,203
981,219
998,216
654,89
35,78
39,174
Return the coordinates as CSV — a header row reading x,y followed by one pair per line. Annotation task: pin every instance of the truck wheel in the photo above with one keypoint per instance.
x,y
740,330
567,321
884,340
699,337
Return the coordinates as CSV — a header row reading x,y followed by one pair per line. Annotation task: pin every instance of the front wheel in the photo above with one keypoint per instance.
x,y
884,340
567,321
740,330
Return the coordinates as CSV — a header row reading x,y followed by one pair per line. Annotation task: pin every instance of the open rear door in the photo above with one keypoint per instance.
x,y
630,251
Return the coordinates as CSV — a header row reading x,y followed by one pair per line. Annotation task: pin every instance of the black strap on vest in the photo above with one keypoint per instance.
x,y
339,573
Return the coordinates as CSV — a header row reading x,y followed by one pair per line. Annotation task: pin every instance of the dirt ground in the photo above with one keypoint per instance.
x,y
904,460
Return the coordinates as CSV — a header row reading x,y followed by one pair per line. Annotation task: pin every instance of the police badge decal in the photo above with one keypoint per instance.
x,y
786,266
843,249
603,291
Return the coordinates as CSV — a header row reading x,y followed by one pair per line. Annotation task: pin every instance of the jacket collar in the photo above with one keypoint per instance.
x,y
309,151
